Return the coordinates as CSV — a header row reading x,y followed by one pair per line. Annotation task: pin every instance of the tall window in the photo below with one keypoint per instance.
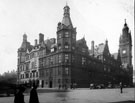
x,y
60,58
27,75
66,45
51,60
27,66
41,63
83,60
66,58
32,65
30,75
34,74
67,71
59,46
73,58
59,36
66,34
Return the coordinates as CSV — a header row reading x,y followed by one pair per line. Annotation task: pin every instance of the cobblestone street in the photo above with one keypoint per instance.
x,y
82,96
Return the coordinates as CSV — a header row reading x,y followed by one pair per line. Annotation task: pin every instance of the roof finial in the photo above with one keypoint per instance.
x,y
106,41
84,36
125,21
66,3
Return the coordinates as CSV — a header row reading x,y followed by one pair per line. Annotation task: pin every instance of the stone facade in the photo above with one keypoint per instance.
x,y
65,61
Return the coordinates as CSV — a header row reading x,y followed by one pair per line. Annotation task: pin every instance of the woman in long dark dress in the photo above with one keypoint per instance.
x,y
33,95
19,97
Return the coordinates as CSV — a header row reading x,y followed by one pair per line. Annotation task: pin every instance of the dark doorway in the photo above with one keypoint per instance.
x,y
42,85
50,84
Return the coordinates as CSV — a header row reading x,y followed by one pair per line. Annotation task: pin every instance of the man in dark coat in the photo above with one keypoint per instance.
x,y
34,95
121,87
19,97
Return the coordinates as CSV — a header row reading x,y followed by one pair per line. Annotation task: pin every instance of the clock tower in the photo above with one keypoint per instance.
x,y
125,46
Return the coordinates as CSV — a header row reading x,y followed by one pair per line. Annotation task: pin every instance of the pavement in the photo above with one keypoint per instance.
x,y
80,95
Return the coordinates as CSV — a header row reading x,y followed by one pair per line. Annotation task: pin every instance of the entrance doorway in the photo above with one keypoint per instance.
x,y
50,84
42,84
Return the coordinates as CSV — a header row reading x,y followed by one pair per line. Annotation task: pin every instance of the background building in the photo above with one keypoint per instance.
x,y
125,47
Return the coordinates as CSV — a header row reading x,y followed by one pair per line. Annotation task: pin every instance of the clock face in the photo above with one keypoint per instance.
x,y
124,51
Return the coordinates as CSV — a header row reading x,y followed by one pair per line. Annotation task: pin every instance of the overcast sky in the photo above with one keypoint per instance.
x,y
97,20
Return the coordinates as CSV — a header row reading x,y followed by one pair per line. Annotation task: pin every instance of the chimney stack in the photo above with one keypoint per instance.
x,y
41,38
35,42
24,37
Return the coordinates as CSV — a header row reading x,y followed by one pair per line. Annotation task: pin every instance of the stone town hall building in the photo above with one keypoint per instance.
x,y
65,60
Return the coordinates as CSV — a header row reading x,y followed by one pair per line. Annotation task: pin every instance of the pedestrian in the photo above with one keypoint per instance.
x,y
19,97
59,86
75,85
34,95
121,87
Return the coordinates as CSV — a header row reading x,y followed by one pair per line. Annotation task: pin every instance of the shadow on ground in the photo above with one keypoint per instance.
x,y
130,101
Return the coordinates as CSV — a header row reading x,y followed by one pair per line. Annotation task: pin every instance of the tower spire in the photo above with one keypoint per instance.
x,y
125,23
66,3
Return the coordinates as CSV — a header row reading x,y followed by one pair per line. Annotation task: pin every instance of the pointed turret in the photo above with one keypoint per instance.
x,y
25,44
125,29
126,34
24,37
106,42
66,19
